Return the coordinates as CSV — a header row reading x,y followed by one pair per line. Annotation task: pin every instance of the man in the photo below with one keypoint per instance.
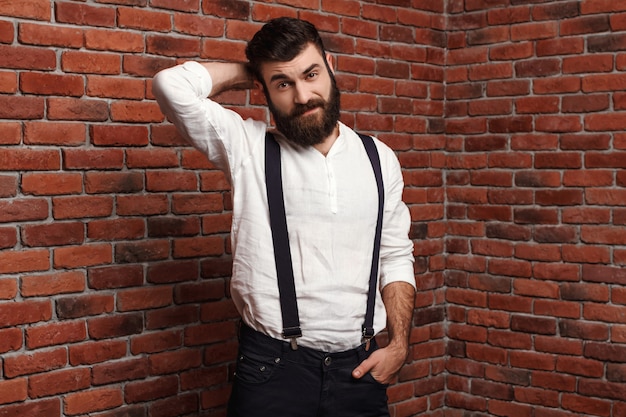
x,y
305,347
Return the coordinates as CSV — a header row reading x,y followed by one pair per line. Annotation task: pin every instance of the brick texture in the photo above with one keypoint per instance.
x,y
508,118
533,87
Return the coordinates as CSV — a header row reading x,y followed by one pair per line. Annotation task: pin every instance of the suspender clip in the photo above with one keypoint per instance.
x,y
292,333
368,335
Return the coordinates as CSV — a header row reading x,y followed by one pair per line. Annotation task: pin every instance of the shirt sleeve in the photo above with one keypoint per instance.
x,y
396,249
223,135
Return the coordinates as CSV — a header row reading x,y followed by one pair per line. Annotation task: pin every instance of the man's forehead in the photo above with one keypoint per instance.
x,y
309,58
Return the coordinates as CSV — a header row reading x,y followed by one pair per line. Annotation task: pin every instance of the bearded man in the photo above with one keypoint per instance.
x,y
322,261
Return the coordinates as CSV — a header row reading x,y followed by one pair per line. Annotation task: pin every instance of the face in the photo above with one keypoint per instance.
x,y
303,97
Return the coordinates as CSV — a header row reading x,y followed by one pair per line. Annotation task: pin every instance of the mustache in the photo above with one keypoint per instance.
x,y
300,109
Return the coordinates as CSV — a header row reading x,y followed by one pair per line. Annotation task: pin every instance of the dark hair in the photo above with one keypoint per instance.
x,y
281,40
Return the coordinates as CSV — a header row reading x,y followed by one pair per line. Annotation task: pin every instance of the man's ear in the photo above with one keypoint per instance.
x,y
330,61
258,85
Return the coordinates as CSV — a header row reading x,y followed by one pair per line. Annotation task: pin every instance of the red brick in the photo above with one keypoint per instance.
x,y
149,20
198,292
10,339
532,360
44,408
115,325
10,133
203,378
81,256
23,57
81,207
90,63
29,160
144,298
84,14
170,46
582,330
93,159
101,86
13,390
55,334
85,305
586,405
141,391
118,135
605,313
557,308
164,181
54,234
108,277
554,381
135,112
156,341
8,237
113,40
52,84
175,362
58,382
52,284
172,316
116,229
142,251
50,35
32,363
93,400
54,133
567,46
215,398
214,224
198,246
28,260
145,66
209,333
8,289
583,367
96,352
509,408
220,353
117,371
109,182
141,205
77,109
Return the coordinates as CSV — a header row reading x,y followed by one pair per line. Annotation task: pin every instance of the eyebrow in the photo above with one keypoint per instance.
x,y
284,77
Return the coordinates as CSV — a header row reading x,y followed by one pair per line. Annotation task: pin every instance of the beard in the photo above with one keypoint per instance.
x,y
311,129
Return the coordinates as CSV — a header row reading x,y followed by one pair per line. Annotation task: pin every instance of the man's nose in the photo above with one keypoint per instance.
x,y
303,93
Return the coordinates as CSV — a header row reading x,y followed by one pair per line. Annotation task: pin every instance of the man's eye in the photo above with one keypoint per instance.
x,y
282,86
312,75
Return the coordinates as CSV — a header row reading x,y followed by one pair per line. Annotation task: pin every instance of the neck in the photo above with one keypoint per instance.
x,y
324,146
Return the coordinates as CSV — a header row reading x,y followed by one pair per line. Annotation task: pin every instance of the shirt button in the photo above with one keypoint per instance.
x,y
327,360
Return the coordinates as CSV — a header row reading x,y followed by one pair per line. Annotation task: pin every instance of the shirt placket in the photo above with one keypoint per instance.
x,y
332,185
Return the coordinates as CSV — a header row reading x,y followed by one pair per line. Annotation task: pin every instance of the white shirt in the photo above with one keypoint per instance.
x,y
331,204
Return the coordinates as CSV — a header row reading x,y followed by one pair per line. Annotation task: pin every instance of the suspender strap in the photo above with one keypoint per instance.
x,y
372,153
280,237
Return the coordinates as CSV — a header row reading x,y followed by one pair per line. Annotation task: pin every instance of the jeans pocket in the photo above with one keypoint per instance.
x,y
368,377
256,369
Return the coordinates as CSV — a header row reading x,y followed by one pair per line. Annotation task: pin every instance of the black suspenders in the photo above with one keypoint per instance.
x,y
282,252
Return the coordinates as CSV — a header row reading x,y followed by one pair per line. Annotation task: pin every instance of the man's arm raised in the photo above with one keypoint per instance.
x,y
228,76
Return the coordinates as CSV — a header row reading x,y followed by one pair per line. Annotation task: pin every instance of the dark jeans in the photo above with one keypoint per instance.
x,y
272,380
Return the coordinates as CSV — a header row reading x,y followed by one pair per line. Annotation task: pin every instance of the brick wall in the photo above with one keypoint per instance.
x,y
114,244
535,205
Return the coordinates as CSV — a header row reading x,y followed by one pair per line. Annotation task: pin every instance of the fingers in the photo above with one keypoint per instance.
x,y
363,368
